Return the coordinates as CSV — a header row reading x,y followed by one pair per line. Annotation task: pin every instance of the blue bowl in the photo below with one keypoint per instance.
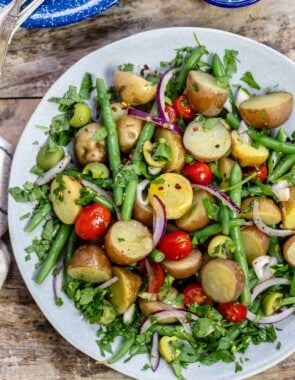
x,y
231,3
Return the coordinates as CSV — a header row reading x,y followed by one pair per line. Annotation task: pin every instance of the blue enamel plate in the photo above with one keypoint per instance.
x,y
231,3
53,13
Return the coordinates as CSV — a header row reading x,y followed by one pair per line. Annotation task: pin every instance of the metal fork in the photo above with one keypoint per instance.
x,y
11,17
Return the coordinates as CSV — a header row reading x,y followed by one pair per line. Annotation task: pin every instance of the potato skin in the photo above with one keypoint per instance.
x,y
143,213
288,210
124,292
86,149
63,197
223,280
289,250
174,140
133,89
196,217
247,154
267,111
128,128
203,93
127,242
268,210
186,267
255,243
90,263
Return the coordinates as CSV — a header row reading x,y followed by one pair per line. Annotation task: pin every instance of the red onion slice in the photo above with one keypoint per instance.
x,y
220,195
159,219
154,119
155,354
266,229
140,190
262,267
103,192
161,93
108,283
271,319
181,315
51,173
262,286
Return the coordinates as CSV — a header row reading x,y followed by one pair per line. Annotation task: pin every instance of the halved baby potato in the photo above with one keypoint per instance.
x,y
268,210
207,144
255,243
174,140
267,111
247,154
90,263
186,267
175,191
288,210
124,292
204,94
128,241
196,217
133,89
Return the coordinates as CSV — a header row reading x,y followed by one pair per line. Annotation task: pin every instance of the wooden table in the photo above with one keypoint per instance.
x,y
29,347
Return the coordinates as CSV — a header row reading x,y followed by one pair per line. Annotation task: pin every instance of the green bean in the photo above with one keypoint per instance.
x,y
145,135
112,135
232,120
271,143
128,200
232,334
137,156
190,64
225,219
70,248
217,66
156,255
274,157
282,168
292,286
102,199
203,234
274,248
123,350
235,231
54,252
38,217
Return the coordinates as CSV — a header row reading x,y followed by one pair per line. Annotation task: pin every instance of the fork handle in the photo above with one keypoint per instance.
x,y
6,32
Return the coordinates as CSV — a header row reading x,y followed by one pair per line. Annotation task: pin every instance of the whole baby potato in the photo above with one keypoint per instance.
x,y
128,128
133,89
89,146
267,111
204,94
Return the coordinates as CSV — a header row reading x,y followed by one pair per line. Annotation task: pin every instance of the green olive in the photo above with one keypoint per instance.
x,y
81,115
48,157
271,303
147,150
96,170
167,350
107,316
221,246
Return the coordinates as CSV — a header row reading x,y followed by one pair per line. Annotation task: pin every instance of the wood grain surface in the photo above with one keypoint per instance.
x,y
29,347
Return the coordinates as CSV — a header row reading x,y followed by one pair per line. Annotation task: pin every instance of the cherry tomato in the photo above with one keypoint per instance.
x,y
92,221
261,172
183,108
156,277
170,111
198,172
175,245
194,293
233,312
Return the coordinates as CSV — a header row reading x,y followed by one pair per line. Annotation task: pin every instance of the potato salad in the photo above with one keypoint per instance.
x,y
166,205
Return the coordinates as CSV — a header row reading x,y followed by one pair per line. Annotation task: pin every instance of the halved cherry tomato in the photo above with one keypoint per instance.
x,y
183,108
156,277
175,245
261,172
233,312
198,172
170,111
92,221
194,293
